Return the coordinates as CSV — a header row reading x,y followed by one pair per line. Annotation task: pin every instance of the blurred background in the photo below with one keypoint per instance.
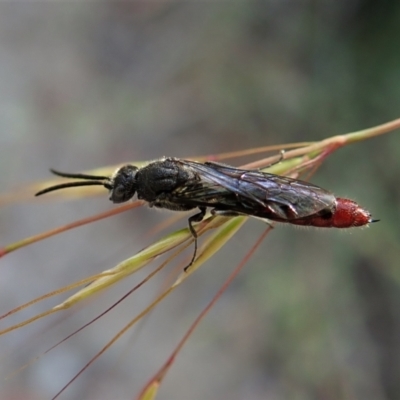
x,y
315,314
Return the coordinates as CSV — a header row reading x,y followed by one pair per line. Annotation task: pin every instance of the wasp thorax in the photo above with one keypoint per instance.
x,y
123,184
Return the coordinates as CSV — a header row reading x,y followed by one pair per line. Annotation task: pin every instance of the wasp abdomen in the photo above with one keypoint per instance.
x,y
346,214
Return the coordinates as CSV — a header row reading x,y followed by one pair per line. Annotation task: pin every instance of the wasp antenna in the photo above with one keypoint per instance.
x,y
72,184
374,220
78,176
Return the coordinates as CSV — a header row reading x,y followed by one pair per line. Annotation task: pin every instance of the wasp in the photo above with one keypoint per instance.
x,y
182,185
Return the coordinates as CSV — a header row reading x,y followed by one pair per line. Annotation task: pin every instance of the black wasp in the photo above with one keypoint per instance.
x,y
182,185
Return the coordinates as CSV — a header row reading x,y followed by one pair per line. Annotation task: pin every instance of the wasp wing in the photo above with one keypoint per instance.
x,y
210,189
242,190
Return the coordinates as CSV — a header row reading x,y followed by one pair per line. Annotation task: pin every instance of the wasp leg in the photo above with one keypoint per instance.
x,y
225,213
228,213
281,157
195,218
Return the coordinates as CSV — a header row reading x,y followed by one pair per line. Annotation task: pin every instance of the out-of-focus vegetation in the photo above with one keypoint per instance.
x,y
315,314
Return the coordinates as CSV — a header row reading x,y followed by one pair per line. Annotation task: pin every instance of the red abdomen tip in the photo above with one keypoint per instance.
x,y
344,214
349,214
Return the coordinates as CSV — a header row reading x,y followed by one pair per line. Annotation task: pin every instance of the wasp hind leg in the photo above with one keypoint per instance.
x,y
226,213
195,218
280,159
199,217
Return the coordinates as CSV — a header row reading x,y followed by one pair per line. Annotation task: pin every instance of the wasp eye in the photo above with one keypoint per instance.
x,y
123,184
119,194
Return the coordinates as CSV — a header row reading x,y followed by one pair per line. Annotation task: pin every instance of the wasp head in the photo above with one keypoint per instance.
x,y
123,184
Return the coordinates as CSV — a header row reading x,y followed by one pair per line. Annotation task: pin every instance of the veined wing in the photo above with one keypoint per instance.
x,y
267,190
